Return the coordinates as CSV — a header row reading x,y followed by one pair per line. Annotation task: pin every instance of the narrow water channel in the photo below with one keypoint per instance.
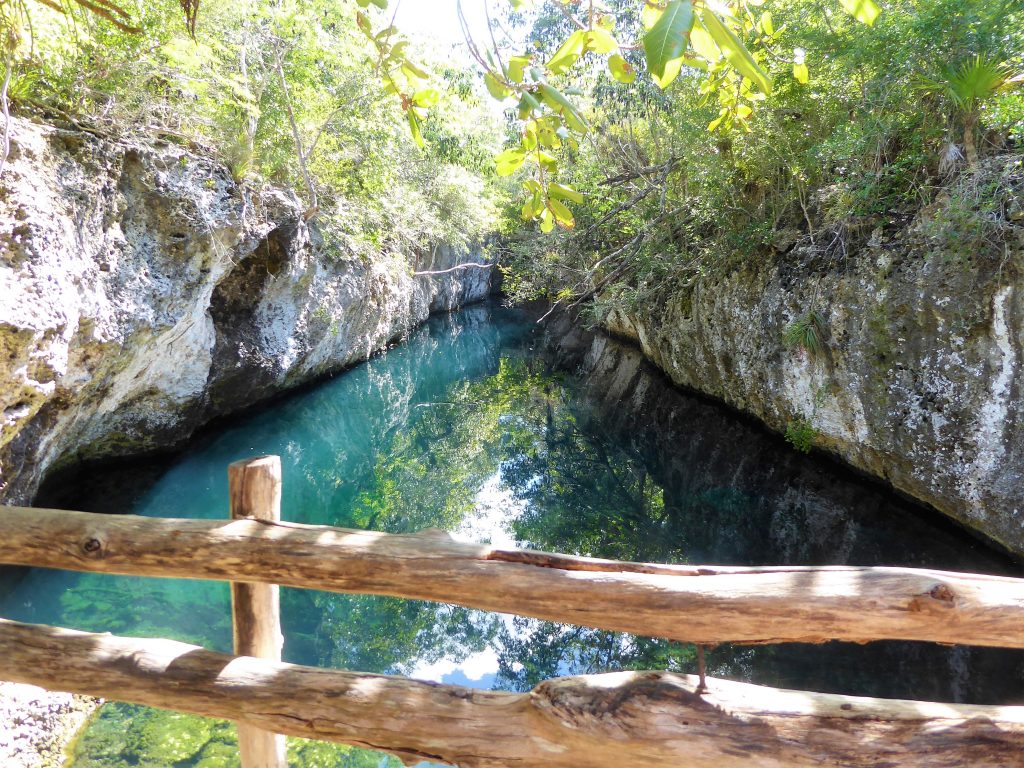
x,y
471,426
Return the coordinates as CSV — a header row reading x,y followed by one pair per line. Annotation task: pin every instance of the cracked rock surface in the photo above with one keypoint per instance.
x,y
142,293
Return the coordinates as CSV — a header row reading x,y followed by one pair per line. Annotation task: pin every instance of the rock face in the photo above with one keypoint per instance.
x,y
142,293
919,378
39,724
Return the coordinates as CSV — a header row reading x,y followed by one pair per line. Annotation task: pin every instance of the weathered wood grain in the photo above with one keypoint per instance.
x,y
702,604
622,720
254,488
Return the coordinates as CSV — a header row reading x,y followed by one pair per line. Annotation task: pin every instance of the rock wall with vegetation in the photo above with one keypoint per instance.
x,y
903,356
144,292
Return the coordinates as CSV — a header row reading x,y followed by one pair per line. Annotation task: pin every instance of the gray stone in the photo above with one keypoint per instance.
x,y
142,293
920,378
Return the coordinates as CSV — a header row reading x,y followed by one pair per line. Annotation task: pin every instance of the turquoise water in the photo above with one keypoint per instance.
x,y
469,427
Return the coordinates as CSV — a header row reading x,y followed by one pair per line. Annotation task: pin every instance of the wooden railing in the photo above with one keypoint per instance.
x,y
621,720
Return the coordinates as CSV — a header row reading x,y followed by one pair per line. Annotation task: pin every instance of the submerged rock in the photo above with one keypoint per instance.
x,y
143,292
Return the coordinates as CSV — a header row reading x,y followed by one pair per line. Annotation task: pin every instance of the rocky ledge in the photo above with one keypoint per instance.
x,y
143,292
38,725
905,353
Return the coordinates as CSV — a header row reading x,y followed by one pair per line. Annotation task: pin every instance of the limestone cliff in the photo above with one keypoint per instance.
x,y
919,378
143,292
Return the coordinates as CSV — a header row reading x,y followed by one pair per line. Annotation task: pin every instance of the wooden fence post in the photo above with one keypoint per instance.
x,y
255,490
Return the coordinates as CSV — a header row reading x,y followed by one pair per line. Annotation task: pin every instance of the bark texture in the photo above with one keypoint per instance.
x,y
702,604
620,720
255,491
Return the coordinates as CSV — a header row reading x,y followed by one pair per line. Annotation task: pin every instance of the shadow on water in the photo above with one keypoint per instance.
x,y
480,426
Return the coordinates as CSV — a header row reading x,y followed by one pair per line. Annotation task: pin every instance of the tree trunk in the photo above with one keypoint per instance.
x,y
697,604
970,144
621,720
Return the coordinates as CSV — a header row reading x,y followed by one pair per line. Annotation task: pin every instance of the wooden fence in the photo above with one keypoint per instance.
x,y
619,719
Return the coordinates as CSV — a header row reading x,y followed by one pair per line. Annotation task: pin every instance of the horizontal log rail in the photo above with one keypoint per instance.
x,y
619,720
698,604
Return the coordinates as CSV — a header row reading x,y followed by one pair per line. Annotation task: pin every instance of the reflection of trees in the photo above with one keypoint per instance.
x,y
379,634
584,494
644,472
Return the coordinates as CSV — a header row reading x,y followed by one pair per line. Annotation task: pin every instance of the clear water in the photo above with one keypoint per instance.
x,y
471,428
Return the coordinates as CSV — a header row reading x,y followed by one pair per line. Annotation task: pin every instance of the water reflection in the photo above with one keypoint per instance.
x,y
480,426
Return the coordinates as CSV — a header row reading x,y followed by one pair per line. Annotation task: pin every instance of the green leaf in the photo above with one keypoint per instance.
x,y
413,72
865,11
509,161
414,127
547,221
426,98
527,104
801,74
563,216
534,203
735,52
650,14
568,54
703,45
558,102
517,67
496,88
562,192
665,42
363,22
722,115
621,69
599,41
546,161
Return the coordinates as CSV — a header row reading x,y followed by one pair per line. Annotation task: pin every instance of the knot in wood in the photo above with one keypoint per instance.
x,y
92,547
942,592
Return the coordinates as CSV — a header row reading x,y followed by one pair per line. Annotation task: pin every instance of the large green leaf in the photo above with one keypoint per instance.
x,y
865,11
665,43
621,69
562,192
568,53
735,52
600,41
496,88
563,216
509,161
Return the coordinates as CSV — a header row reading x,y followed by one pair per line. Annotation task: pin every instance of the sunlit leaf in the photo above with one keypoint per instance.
x,y
563,216
527,105
558,102
621,69
703,45
414,127
496,88
865,11
568,54
509,161
426,98
666,41
735,52
599,41
547,221
562,192
516,68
